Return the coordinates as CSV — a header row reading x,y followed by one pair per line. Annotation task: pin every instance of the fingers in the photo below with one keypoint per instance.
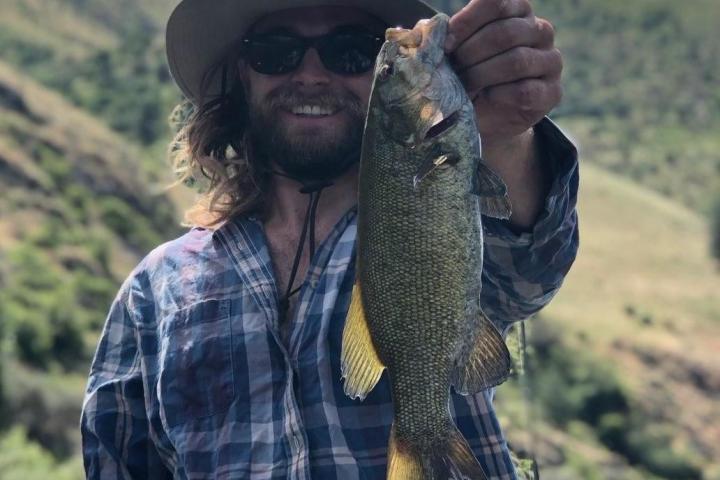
x,y
532,96
519,63
501,36
479,13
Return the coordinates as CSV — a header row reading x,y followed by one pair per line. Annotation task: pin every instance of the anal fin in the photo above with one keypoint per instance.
x,y
488,363
359,362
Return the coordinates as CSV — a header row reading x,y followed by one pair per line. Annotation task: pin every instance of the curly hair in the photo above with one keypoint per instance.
x,y
208,153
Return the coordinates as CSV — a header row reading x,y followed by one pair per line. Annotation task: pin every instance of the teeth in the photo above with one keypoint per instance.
x,y
311,110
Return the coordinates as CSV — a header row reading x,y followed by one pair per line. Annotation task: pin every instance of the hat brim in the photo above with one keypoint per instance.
x,y
200,33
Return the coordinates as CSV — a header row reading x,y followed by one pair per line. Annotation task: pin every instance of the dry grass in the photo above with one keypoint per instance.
x,y
644,293
51,24
643,251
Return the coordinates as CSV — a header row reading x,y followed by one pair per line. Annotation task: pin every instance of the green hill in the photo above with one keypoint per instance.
x,y
636,320
76,212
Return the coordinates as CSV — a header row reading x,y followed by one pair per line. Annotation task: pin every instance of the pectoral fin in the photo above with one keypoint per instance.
x,y
430,165
488,363
494,200
359,363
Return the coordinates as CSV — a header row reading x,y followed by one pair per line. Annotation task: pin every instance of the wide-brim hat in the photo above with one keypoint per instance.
x,y
201,33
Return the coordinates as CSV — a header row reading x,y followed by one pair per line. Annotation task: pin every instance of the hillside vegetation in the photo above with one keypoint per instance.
x,y
621,382
622,372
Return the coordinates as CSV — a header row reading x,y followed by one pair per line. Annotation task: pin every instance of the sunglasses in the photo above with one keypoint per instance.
x,y
345,51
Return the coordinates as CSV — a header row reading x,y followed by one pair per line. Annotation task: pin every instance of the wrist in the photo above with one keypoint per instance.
x,y
508,154
517,161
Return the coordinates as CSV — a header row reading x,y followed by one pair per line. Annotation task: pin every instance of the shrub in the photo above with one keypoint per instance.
x,y
571,385
132,228
589,389
649,445
39,310
23,459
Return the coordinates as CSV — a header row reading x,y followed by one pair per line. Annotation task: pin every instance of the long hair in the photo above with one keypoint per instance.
x,y
208,153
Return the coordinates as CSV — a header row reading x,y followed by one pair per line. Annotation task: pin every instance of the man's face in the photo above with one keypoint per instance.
x,y
309,145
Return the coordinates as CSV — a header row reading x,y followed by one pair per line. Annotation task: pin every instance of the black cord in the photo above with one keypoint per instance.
x,y
314,189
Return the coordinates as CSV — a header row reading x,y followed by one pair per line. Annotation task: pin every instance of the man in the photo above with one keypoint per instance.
x,y
220,355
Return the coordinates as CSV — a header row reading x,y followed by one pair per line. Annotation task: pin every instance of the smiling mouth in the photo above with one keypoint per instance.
x,y
312,111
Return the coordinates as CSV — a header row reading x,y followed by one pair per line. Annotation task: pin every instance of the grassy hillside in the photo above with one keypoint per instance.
x,y
638,316
76,212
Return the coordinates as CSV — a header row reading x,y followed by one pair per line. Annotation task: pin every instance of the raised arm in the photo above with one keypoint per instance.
x,y
523,270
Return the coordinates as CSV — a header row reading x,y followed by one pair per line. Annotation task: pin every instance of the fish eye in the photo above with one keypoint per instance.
x,y
386,71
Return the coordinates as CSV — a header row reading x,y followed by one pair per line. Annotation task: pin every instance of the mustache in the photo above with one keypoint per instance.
x,y
286,98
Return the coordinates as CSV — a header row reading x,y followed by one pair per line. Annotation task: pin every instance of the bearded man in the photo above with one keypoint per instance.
x,y
220,357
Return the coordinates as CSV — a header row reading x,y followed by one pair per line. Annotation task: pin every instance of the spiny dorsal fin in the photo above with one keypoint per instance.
x,y
359,362
488,363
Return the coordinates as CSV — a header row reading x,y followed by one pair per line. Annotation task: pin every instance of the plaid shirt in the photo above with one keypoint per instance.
x,y
191,380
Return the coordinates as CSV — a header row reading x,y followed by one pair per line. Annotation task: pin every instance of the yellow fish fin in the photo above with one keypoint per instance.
x,y
403,462
452,459
359,363
488,363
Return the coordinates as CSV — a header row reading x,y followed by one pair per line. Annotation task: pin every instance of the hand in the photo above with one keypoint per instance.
x,y
507,60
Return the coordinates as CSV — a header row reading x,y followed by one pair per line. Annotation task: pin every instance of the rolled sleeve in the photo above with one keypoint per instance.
x,y
523,272
114,424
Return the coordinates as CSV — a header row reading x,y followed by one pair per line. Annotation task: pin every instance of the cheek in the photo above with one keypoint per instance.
x,y
257,85
361,87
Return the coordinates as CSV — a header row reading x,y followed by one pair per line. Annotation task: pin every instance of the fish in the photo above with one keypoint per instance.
x,y
415,308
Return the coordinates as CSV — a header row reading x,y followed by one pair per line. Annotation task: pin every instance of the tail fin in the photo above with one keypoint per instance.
x,y
450,461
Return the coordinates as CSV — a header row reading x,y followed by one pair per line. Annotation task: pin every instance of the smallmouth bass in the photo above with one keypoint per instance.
x,y
415,308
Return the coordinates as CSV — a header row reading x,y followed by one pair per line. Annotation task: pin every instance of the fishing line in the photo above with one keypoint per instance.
x,y
527,403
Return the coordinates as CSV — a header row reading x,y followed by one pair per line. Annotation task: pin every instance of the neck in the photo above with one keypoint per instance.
x,y
287,206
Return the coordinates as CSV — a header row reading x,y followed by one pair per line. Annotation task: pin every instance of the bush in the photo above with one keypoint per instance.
x,y
23,459
589,389
132,228
39,310
571,385
47,406
650,445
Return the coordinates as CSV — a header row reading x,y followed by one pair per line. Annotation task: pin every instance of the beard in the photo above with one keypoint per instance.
x,y
312,156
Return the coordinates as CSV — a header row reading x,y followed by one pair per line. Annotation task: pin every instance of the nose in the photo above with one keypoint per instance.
x,y
311,70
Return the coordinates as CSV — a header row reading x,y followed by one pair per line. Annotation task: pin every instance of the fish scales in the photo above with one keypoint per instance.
x,y
415,309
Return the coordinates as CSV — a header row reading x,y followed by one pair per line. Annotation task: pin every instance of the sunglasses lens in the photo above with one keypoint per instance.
x,y
273,54
349,53
345,53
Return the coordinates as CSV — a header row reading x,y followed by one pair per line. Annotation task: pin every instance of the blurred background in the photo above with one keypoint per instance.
x,y
622,378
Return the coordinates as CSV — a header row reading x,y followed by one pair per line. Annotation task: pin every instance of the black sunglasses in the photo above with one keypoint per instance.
x,y
346,51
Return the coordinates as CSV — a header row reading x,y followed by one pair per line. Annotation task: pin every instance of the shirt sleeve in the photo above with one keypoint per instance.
x,y
523,272
114,424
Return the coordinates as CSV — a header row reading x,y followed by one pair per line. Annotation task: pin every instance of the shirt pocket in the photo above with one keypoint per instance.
x,y
196,365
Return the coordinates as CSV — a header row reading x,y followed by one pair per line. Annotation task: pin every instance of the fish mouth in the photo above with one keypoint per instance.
x,y
425,35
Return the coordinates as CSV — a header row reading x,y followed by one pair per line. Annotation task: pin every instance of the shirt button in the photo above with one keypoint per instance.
x,y
314,284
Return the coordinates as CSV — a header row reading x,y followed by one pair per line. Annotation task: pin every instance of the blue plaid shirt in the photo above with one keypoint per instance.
x,y
191,380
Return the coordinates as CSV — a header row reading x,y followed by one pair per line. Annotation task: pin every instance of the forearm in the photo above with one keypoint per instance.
x,y
518,162
523,271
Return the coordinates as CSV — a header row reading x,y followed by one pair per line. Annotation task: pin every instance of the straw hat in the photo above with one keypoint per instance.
x,y
201,32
